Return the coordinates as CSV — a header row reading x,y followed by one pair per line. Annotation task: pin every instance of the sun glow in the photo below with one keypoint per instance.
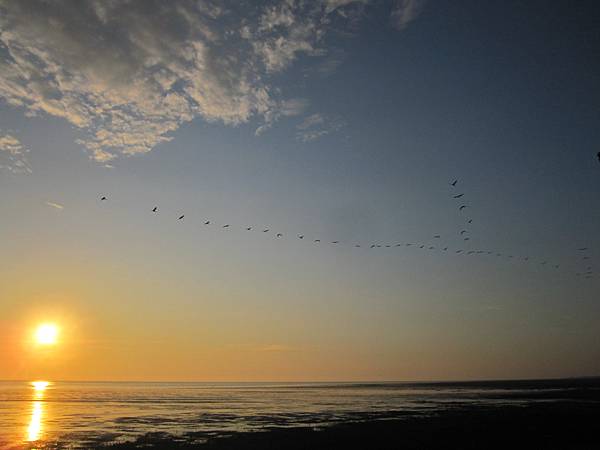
x,y
46,334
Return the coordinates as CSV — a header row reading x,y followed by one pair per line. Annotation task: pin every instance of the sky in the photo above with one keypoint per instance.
x,y
338,120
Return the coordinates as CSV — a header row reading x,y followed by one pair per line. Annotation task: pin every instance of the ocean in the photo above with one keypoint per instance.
x,y
87,414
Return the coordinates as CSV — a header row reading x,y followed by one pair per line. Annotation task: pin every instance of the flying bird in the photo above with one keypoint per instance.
x,y
226,225
357,245
207,222
103,198
598,156
470,221
279,235
458,251
264,231
463,207
372,246
467,239
463,232
445,248
454,183
458,195
300,236
337,242
155,209
437,236
181,217
583,249
248,228
317,240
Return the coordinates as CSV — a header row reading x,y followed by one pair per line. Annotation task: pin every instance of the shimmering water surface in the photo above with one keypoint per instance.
x,y
82,414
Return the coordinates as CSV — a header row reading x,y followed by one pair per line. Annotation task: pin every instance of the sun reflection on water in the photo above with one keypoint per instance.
x,y
34,430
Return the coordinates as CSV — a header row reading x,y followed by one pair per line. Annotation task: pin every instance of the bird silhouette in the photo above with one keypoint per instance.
x,y
458,251
437,236
454,183
300,236
463,232
372,246
226,225
598,156
103,198
421,246
470,221
467,239
335,242
181,217
357,245
317,240
207,222
264,231
459,195
463,207
248,228
155,209
583,249
279,235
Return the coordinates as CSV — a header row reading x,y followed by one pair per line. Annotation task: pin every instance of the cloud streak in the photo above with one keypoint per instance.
x,y
55,205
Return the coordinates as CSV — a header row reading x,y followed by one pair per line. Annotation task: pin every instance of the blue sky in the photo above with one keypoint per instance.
x,y
337,120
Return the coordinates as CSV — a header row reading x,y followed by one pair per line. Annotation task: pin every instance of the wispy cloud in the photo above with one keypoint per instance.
x,y
13,154
276,348
405,11
55,205
128,74
316,126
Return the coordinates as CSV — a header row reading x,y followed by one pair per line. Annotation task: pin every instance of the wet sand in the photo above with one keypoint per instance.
x,y
554,425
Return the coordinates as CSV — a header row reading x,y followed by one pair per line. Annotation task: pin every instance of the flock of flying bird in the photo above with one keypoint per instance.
x,y
586,272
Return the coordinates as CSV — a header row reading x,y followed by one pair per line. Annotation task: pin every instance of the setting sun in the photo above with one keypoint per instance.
x,y
46,334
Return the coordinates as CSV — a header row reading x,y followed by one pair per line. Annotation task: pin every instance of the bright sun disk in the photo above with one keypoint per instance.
x,y
46,334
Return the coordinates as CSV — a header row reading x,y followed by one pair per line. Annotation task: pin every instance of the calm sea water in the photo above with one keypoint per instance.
x,y
83,414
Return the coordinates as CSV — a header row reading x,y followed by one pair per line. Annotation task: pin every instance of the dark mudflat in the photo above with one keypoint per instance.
x,y
555,425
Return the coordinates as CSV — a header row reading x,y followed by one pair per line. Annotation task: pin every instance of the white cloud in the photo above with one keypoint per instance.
x,y
55,205
316,126
13,154
128,74
405,11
